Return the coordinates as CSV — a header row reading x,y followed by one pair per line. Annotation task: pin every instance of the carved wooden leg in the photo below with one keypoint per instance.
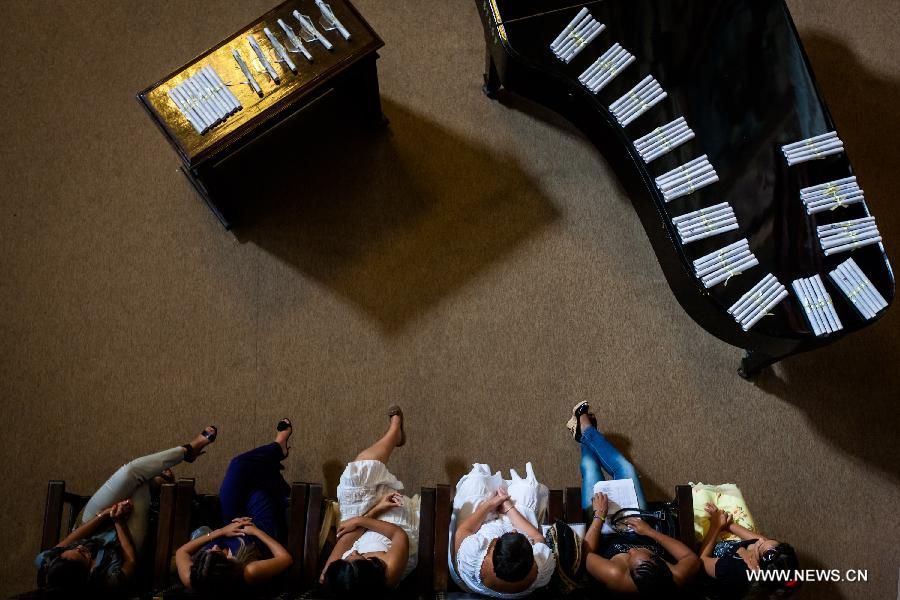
x,y
754,362
492,82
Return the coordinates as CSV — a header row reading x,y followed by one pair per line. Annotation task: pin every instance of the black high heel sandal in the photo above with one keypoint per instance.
x,y
396,411
574,423
284,425
189,454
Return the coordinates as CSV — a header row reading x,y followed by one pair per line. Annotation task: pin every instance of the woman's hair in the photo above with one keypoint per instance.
x,y
363,578
653,579
66,575
513,557
213,573
780,558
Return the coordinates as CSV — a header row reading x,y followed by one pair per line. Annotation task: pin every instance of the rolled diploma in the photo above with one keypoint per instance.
x,y
806,303
329,16
737,269
688,176
246,72
649,104
815,148
190,118
178,91
594,31
581,31
280,50
606,61
853,245
813,311
209,98
684,228
311,29
196,94
865,294
664,130
828,305
664,137
849,233
603,68
770,306
669,144
817,156
711,226
602,81
221,98
845,286
845,224
758,308
263,59
570,27
681,171
708,234
858,235
824,186
748,297
644,104
811,140
229,95
877,298
714,257
829,192
294,39
691,187
635,91
727,261
699,214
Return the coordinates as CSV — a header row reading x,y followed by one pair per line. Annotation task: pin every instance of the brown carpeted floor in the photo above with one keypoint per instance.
x,y
477,264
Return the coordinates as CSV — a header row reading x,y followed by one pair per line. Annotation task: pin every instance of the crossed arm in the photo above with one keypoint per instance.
x,y
352,529
118,513
720,521
257,571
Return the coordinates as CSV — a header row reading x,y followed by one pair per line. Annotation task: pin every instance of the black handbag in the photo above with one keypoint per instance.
x,y
663,520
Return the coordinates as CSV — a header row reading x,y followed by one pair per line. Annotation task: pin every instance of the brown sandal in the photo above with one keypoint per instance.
x,y
396,411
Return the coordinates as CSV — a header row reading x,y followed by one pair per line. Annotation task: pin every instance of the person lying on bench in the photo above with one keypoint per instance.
x,y
377,540
246,551
643,561
100,556
496,544
728,562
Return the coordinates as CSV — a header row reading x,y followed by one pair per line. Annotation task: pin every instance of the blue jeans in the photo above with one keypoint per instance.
x,y
253,487
597,452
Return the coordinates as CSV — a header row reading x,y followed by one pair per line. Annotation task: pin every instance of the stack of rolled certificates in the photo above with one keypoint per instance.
x,y
831,195
663,139
813,148
580,32
687,178
637,101
848,235
204,99
817,305
724,264
757,303
605,68
859,290
705,223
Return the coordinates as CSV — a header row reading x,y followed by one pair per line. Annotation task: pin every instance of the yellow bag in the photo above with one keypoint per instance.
x,y
726,497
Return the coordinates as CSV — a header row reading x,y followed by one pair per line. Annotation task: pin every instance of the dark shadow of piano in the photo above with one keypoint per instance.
x,y
625,72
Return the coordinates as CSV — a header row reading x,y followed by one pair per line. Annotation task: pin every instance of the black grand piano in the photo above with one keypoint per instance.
x,y
711,117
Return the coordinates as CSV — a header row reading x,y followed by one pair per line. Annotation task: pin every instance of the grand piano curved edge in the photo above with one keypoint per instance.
x,y
737,71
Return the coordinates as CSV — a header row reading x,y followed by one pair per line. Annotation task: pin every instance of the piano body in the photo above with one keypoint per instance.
x,y
721,86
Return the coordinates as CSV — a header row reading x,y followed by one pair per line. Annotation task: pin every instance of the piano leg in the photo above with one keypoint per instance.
x,y
754,362
492,82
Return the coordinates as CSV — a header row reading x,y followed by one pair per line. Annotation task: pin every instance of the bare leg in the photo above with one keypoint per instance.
x,y
381,450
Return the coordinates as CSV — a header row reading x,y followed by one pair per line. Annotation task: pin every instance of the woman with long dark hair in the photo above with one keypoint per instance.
x,y
99,557
246,551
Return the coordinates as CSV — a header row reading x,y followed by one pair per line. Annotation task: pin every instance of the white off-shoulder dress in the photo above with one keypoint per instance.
x,y
363,483
530,498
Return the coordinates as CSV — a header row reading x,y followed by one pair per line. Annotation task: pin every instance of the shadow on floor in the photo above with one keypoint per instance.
x,y
393,221
849,390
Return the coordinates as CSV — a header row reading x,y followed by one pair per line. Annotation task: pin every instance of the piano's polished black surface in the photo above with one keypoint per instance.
x,y
737,71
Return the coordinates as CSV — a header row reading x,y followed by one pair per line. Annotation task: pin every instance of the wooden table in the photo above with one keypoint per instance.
x,y
348,69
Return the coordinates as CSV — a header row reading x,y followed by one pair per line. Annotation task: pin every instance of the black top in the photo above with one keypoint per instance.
x,y
731,568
